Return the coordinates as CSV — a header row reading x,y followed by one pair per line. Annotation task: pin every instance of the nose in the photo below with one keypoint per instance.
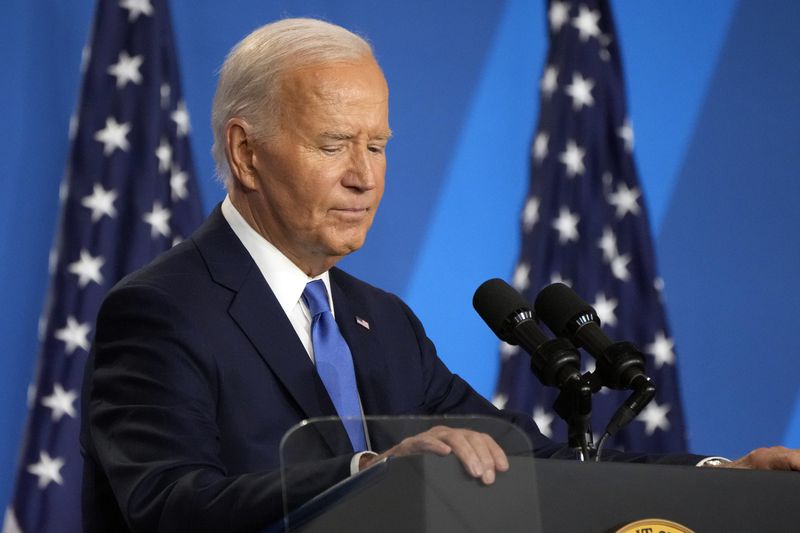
x,y
363,169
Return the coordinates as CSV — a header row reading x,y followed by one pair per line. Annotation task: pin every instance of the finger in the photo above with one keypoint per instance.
x,y
499,455
794,459
422,443
463,449
789,458
481,443
774,458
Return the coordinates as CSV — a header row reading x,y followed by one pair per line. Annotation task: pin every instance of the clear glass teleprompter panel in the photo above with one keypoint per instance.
x,y
422,492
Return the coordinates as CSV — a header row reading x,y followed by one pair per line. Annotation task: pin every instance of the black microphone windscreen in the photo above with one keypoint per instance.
x,y
557,305
496,301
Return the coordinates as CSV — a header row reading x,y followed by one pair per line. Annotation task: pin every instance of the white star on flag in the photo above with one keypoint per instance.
x,y
549,82
654,417
619,267
540,146
126,69
181,118
530,214
608,243
87,268
177,184
101,202
658,283
625,132
662,350
48,470
10,523
543,420
567,225
605,309
558,15
158,219
500,400
625,200
60,402
587,23
136,8
572,158
113,136
521,273
74,335
580,90
164,155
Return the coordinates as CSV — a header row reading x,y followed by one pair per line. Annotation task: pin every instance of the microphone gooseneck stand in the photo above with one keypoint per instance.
x,y
574,406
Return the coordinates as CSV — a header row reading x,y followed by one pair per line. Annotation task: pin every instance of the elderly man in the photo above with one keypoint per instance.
x,y
205,358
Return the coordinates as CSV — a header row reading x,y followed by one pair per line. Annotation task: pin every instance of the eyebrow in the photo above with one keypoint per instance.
x,y
343,136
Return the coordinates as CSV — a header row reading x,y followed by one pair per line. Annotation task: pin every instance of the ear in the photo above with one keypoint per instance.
x,y
239,144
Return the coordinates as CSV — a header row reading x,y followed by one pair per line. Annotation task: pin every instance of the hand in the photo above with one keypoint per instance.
x,y
774,458
480,455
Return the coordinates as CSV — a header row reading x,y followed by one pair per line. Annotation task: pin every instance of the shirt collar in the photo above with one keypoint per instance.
x,y
285,278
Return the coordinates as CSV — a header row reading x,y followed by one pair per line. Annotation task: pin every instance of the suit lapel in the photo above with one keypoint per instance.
x,y
368,358
258,314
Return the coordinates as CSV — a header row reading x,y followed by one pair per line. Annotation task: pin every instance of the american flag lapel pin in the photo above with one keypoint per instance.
x,y
361,322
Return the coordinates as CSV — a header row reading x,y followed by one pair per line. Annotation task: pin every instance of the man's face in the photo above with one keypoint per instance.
x,y
320,173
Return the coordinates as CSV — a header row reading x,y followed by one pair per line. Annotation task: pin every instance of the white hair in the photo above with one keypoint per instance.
x,y
249,79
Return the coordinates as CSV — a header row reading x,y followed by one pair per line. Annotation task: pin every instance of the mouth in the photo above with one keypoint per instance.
x,y
351,213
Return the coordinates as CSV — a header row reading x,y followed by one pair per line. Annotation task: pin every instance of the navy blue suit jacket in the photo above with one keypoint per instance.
x,y
196,374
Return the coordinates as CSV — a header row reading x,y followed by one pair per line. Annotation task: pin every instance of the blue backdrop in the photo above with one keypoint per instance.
x,y
712,90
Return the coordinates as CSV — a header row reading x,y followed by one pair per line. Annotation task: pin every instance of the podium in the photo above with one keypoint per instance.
x,y
426,493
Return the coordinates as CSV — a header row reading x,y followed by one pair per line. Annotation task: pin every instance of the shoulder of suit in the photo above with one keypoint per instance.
x,y
182,260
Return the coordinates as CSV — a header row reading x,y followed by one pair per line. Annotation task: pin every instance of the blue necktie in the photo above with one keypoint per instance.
x,y
334,362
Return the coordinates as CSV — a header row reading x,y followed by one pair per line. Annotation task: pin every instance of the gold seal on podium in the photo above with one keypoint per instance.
x,y
654,525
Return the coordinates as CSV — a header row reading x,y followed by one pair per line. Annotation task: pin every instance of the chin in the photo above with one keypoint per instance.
x,y
346,246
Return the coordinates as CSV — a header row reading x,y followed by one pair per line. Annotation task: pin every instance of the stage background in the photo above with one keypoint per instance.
x,y
713,91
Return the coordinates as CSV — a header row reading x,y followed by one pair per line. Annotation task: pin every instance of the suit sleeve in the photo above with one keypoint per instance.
x,y
150,412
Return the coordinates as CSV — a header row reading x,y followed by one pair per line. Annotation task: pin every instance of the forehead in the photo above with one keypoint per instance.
x,y
341,84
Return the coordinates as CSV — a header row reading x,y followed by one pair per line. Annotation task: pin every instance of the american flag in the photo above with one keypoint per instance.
x,y
585,224
128,194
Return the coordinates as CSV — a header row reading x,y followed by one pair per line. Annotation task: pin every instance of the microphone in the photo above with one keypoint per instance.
x,y
554,361
619,364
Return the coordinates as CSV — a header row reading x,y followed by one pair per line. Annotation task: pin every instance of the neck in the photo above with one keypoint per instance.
x,y
311,266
